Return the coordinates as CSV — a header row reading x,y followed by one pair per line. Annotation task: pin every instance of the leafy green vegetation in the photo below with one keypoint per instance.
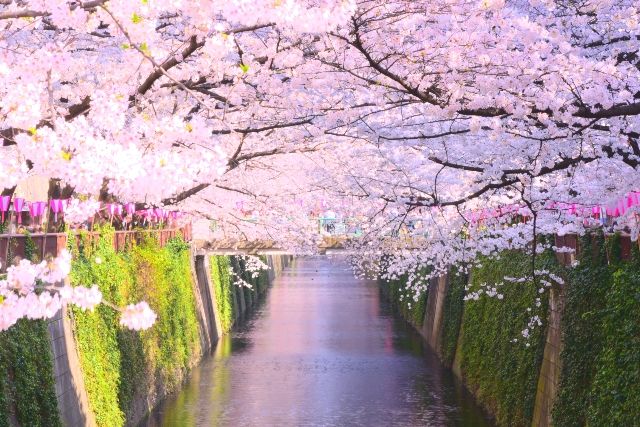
x,y
26,376
27,391
223,288
452,315
584,308
403,300
600,383
600,380
120,365
262,281
503,374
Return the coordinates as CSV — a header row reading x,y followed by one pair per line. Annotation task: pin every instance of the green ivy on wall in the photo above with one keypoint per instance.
x,y
403,300
600,381
262,281
452,314
504,374
27,391
240,269
223,288
585,299
119,365
616,386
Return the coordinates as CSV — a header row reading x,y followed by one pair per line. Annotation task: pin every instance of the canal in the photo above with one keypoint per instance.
x,y
322,350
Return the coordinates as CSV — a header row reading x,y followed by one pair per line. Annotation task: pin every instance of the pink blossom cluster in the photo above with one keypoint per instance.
x,y
38,291
413,120
85,298
138,316
253,265
79,211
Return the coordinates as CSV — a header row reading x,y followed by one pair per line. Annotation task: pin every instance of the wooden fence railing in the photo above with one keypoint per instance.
x,y
572,241
50,244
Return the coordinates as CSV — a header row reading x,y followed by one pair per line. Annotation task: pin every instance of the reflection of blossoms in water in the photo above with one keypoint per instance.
x,y
138,316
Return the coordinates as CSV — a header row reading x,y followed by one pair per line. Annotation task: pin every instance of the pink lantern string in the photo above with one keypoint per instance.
x,y
147,215
36,210
158,213
4,205
129,209
603,213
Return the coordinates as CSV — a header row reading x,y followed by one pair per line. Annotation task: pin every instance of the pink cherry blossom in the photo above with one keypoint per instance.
x,y
138,316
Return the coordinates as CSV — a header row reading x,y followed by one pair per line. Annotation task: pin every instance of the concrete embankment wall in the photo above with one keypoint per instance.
x,y
99,374
579,367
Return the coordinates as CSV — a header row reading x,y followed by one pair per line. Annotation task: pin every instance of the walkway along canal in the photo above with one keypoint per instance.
x,y
322,350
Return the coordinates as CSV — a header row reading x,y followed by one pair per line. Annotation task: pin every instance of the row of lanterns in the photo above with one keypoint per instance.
x,y
615,209
57,206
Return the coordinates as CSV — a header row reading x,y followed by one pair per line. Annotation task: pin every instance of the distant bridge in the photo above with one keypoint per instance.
x,y
262,247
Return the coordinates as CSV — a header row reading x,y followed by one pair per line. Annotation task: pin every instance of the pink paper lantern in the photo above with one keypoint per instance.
x,y
33,209
4,205
130,208
57,206
18,204
41,208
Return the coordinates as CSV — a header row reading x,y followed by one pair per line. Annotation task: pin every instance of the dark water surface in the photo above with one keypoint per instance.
x,y
322,350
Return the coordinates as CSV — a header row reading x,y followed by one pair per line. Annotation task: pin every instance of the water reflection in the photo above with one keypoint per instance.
x,y
323,350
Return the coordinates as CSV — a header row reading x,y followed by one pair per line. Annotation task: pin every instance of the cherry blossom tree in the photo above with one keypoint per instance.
x,y
144,101
471,125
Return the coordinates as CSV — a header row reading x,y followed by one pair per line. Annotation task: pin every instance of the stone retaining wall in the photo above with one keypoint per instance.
x,y
549,377
73,402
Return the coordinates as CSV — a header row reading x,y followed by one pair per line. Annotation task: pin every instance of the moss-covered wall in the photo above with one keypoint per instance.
x,y
403,300
452,314
27,394
229,308
501,373
600,380
504,383
126,372
600,325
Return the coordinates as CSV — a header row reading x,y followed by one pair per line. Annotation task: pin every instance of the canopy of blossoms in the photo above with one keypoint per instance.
x,y
471,125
